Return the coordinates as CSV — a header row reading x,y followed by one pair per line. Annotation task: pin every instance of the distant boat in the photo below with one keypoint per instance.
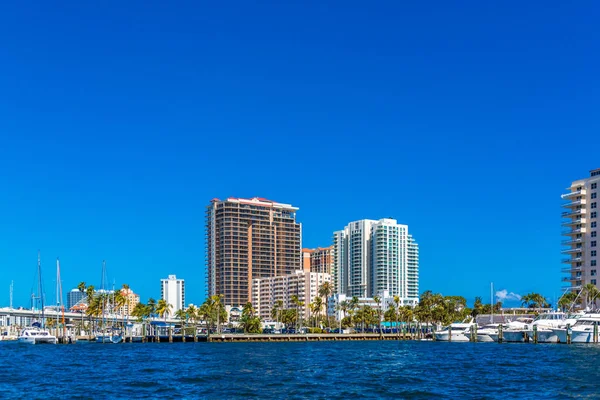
x,y
37,334
456,332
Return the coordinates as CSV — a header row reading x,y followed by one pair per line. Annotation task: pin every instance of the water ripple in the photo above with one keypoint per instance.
x,y
315,370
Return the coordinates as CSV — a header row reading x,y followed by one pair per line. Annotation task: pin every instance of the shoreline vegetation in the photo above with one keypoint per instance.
x,y
211,317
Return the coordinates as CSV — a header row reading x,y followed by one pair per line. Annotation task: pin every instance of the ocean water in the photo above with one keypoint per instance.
x,y
321,370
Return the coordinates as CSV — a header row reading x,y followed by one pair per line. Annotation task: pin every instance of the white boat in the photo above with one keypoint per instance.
x,y
582,331
488,333
36,336
515,330
545,328
455,332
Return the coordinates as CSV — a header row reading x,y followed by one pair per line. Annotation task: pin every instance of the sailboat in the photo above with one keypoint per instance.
x,y
37,332
114,335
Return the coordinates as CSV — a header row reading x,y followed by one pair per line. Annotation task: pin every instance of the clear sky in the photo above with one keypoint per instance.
x,y
119,121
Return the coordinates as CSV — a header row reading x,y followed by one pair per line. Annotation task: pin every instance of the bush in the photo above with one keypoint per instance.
x,y
315,330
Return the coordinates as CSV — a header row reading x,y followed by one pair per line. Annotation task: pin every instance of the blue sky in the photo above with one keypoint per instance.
x,y
119,122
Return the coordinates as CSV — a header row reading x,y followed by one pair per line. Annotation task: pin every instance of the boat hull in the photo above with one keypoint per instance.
x,y
487,337
38,340
456,337
513,336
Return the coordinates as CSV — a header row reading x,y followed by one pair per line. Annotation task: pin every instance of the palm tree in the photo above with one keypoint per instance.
x,y
377,300
182,316
326,290
343,307
89,292
249,321
591,293
397,312
352,308
163,308
316,308
151,305
81,288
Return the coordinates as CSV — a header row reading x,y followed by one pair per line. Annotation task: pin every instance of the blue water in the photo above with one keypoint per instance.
x,y
300,370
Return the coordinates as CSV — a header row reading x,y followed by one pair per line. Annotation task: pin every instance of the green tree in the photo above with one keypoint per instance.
x,y
326,290
81,287
567,301
377,300
182,316
591,294
163,308
249,321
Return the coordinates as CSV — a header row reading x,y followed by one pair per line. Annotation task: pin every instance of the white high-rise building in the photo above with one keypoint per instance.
x,y
582,231
370,257
173,292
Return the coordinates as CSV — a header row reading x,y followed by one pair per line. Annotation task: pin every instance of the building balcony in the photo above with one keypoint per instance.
x,y
574,222
571,241
571,278
573,232
571,269
573,194
575,213
571,260
573,250
575,203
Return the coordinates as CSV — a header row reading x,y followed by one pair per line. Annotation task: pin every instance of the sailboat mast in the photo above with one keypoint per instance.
x,y
57,281
41,289
492,300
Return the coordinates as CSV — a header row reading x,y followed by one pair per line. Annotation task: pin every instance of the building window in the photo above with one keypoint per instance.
x,y
593,253
593,265
594,185
594,234
593,243
594,224
593,214
593,281
594,205
594,195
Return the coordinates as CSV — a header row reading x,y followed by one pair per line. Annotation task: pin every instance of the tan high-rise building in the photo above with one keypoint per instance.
x,y
304,285
249,239
582,231
317,260
132,300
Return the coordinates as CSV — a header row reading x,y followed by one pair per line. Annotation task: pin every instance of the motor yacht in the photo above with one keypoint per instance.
x,y
582,331
488,333
456,332
36,336
545,331
515,330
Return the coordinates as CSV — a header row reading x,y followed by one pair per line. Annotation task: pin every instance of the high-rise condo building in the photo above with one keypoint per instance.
x,y
74,297
304,285
370,257
172,290
318,260
581,222
249,239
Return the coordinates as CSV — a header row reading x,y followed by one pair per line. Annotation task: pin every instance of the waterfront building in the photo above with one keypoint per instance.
x,y
74,297
317,260
581,223
385,300
132,300
249,239
172,290
267,292
373,256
